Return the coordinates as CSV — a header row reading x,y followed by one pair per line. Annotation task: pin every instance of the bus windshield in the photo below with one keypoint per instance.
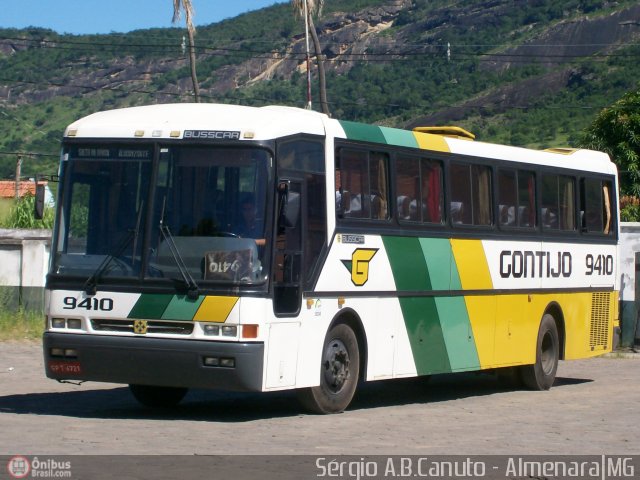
x,y
195,212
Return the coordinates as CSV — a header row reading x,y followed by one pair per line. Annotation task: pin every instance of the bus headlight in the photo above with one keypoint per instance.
x,y
74,323
229,331
211,329
57,322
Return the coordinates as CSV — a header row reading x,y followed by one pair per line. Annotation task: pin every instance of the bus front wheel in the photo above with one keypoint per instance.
x,y
339,372
158,397
541,375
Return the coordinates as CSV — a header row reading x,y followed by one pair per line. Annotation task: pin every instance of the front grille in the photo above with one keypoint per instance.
x,y
599,333
153,326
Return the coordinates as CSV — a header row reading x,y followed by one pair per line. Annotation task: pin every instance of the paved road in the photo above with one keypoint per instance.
x,y
594,408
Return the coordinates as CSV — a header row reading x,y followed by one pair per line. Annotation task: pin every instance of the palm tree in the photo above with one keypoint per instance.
x,y
178,6
311,7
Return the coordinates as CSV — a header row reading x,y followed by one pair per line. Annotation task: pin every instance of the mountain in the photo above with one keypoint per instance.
x,y
522,72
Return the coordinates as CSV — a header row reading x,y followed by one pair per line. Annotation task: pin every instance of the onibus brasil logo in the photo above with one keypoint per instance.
x,y
359,265
18,466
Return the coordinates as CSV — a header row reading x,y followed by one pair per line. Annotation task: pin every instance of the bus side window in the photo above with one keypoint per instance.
x,y
595,206
558,202
362,184
470,195
516,198
407,188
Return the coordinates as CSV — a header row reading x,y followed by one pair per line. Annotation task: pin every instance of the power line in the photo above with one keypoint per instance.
x,y
288,51
28,154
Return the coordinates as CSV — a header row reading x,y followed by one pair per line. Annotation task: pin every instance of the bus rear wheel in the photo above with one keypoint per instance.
x,y
541,375
158,397
339,373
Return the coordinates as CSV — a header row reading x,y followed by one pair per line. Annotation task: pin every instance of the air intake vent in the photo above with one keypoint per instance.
x,y
169,328
599,333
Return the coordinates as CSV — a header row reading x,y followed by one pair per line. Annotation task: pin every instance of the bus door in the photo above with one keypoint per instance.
x,y
287,288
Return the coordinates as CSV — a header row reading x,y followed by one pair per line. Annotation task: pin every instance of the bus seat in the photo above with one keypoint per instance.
x,y
507,215
457,212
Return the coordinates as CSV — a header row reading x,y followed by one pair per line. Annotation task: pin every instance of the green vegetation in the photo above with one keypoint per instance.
x,y
54,79
21,215
21,325
5,210
18,323
616,131
629,208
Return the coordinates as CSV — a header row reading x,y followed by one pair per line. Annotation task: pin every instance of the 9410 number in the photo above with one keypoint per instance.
x,y
599,264
100,304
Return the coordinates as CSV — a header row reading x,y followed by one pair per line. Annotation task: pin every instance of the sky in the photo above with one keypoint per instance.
x,y
106,16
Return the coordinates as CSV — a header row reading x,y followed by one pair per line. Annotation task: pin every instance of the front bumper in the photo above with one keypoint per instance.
x,y
154,361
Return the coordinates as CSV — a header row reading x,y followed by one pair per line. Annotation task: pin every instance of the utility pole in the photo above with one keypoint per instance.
x,y
306,38
18,173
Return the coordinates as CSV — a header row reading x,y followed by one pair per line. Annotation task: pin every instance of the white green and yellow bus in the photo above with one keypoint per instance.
x,y
262,249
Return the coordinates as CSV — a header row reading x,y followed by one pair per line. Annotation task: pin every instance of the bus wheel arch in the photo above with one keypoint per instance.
x,y
340,366
349,317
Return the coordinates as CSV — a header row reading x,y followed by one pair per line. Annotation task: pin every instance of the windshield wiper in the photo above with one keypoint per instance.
x,y
193,291
91,285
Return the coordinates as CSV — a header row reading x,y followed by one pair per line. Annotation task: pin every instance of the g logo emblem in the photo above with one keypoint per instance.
x,y
359,265
140,327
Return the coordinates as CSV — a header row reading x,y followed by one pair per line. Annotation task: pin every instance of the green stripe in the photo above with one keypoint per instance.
x,y
402,138
458,334
362,131
420,313
407,263
425,335
150,306
182,308
438,328
437,254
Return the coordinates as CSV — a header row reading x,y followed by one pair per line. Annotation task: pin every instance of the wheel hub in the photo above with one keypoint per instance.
x,y
336,365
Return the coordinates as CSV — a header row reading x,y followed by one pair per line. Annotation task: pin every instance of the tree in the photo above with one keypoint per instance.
x,y
616,131
178,7
314,7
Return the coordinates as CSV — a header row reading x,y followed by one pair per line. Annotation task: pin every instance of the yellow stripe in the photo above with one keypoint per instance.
x,y
431,142
473,271
481,311
472,264
215,309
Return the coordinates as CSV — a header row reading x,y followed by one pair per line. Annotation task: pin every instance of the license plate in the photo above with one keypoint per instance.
x,y
62,367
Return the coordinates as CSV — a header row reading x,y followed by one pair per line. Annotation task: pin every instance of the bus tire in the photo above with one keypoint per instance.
x,y
541,375
158,397
339,371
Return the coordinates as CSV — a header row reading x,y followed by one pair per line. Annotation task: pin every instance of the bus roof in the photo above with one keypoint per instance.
x,y
171,121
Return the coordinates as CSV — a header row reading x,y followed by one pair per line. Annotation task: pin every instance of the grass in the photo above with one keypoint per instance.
x,y
20,325
5,210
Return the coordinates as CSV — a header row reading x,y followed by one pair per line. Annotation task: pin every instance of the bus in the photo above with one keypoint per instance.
x,y
272,248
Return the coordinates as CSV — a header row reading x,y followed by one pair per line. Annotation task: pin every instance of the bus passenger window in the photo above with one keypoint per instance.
x,y
516,198
408,188
460,195
419,188
431,180
507,192
470,195
595,206
558,202
362,184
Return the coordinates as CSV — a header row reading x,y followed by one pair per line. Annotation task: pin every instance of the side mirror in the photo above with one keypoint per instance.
x,y
289,205
38,205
